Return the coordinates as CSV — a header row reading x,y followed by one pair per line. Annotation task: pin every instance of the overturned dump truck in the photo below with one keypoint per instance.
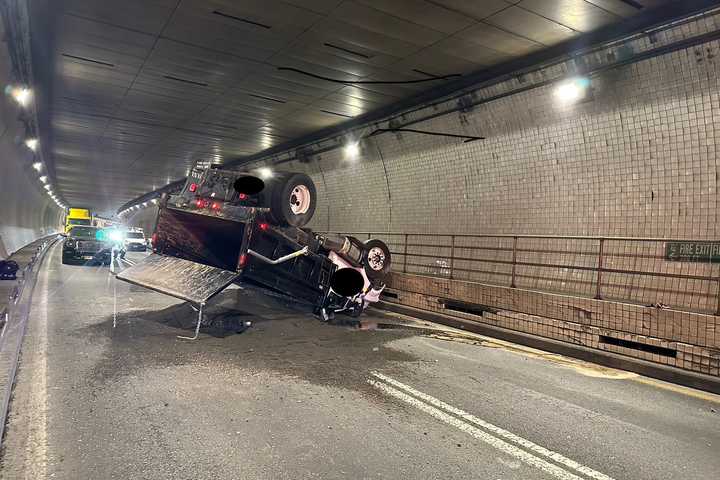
x,y
227,226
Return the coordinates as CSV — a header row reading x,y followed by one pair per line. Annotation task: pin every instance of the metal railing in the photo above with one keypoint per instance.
x,y
626,269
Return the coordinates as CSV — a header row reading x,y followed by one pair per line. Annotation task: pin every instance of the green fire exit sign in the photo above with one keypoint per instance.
x,y
693,251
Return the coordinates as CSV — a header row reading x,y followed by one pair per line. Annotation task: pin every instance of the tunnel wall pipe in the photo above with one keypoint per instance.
x,y
26,212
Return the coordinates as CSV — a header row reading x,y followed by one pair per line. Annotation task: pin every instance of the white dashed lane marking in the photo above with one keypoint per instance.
x,y
524,450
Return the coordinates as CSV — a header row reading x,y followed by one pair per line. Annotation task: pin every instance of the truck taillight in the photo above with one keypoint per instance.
x,y
201,203
193,187
242,260
242,196
263,226
216,206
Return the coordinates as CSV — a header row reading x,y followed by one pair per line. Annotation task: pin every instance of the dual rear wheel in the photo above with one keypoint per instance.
x,y
291,197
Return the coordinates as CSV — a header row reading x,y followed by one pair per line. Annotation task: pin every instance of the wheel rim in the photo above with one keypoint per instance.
x,y
300,199
376,258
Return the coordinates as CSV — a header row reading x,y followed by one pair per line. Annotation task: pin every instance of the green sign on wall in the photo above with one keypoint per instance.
x,y
693,251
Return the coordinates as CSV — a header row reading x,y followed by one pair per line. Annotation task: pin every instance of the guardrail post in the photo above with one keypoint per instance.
x,y
514,260
452,254
405,254
598,295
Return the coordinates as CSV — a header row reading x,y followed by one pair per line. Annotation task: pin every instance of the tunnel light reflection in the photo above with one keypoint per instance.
x,y
572,90
265,173
352,150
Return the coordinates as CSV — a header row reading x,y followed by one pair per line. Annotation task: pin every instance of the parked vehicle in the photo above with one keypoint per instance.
x,y
86,244
135,240
8,269
228,226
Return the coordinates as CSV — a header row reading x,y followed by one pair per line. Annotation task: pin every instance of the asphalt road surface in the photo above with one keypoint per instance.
x,y
105,390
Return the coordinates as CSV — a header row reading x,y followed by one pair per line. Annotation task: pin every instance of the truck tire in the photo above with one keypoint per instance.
x,y
293,199
376,259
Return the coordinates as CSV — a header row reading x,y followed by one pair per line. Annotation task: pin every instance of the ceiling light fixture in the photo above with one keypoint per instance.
x,y
21,95
43,178
32,144
37,166
47,187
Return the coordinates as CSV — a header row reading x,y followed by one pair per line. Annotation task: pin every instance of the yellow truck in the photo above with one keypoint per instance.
x,y
77,216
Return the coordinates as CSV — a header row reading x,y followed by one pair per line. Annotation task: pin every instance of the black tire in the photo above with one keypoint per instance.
x,y
293,199
376,259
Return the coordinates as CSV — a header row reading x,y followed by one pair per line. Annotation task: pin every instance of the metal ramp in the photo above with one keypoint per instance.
x,y
193,282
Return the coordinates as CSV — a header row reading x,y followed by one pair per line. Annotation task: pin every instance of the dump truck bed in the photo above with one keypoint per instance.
x,y
235,245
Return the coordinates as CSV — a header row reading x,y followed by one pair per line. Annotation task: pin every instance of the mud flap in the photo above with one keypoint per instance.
x,y
179,278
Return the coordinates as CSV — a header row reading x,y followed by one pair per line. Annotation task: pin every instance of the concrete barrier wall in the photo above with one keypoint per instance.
x,y
669,337
26,212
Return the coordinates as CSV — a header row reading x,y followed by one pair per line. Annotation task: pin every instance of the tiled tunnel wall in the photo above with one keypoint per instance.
x,y
637,159
25,212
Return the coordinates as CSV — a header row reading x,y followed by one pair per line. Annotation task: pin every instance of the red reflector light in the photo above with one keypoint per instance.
x,y
263,226
193,187
243,259
242,196
215,206
201,203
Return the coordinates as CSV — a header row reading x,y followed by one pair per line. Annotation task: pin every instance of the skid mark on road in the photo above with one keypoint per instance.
x,y
584,368
522,449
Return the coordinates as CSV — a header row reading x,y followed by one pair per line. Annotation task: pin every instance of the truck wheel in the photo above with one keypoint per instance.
x,y
294,200
356,310
376,259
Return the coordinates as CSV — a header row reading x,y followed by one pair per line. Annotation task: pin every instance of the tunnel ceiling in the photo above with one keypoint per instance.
x,y
141,88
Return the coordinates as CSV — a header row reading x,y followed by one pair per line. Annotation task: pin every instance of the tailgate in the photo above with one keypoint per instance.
x,y
183,279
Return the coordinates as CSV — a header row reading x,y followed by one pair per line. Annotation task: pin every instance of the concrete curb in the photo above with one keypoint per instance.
x,y
609,359
16,324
